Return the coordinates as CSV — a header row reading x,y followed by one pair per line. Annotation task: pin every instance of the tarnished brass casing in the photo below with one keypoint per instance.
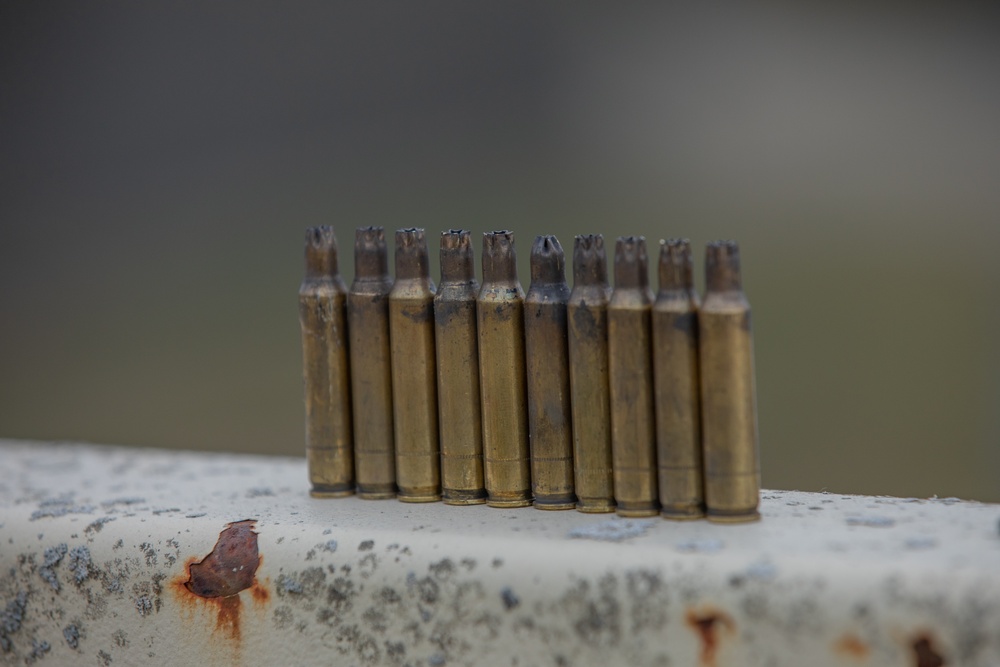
x,y
633,432
414,371
587,315
326,372
675,378
728,400
371,372
547,355
502,375
460,421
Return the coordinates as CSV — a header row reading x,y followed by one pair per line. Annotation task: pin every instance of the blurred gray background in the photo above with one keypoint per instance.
x,y
159,162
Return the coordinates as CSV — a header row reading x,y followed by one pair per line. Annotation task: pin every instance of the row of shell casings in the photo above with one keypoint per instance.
x,y
596,398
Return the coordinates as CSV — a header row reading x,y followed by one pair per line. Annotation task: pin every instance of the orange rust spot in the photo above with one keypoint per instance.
x,y
706,623
852,646
259,593
924,652
216,580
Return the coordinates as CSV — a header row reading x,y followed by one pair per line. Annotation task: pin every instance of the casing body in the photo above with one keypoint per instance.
x,y
633,431
728,405
326,368
503,388
547,358
371,367
460,425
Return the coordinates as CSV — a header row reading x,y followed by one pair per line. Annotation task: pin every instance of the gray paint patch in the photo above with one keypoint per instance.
x,y
510,599
871,521
71,634
61,506
916,543
706,546
96,525
39,649
79,563
50,558
11,619
611,531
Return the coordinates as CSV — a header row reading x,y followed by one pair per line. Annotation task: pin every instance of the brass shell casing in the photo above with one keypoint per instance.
x,y
587,316
371,372
547,363
460,422
503,391
326,372
414,371
728,400
675,379
633,432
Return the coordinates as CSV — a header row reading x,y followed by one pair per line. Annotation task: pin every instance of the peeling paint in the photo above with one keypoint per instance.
x,y
230,567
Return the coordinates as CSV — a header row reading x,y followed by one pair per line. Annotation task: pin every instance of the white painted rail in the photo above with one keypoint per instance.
x,y
95,543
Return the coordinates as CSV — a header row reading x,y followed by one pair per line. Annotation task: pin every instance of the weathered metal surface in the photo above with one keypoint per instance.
x,y
587,313
630,373
460,420
371,366
502,383
101,547
326,368
414,376
547,368
675,379
728,394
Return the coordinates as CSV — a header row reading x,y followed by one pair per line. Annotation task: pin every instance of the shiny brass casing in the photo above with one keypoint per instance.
x,y
460,422
547,362
633,432
675,379
590,391
414,371
371,372
502,384
326,372
728,396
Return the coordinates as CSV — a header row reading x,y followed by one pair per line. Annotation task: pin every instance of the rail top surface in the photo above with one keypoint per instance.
x,y
124,556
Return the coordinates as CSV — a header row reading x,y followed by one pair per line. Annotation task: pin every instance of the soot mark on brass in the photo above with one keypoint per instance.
x,y
230,567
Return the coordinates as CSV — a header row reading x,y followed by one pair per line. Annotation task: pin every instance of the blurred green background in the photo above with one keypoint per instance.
x,y
159,162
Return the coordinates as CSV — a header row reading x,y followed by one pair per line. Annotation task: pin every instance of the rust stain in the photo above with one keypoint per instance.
x,y
216,580
706,624
924,652
259,591
852,646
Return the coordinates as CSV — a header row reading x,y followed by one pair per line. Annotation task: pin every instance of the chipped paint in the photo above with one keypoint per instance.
x,y
370,583
230,567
